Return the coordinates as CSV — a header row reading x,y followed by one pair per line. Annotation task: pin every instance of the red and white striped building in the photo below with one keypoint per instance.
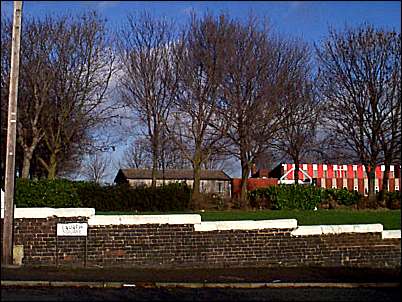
x,y
351,177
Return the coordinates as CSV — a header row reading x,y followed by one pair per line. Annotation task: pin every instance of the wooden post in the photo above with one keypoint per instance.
x,y
7,258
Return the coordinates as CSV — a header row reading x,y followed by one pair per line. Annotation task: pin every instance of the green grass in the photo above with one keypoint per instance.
x,y
390,219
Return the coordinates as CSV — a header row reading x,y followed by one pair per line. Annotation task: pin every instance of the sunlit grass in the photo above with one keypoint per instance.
x,y
390,219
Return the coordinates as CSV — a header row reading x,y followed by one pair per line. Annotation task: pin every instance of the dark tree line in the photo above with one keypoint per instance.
x,y
216,89
360,81
66,66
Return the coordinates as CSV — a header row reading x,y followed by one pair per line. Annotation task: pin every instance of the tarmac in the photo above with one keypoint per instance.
x,y
252,277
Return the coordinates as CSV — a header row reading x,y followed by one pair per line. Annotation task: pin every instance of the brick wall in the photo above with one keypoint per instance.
x,y
165,243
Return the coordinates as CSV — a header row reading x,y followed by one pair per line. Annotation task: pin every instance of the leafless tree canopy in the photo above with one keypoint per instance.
x,y
219,90
95,169
260,69
199,60
148,82
360,75
66,65
298,135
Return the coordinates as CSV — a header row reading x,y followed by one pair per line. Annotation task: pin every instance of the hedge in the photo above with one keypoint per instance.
x,y
63,193
58,193
300,197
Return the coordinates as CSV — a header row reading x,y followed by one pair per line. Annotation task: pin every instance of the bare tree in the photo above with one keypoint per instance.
x,y
258,70
360,82
298,134
137,155
36,76
171,156
200,55
83,63
95,169
148,83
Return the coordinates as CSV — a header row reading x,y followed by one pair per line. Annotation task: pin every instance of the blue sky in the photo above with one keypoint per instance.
x,y
302,19
305,19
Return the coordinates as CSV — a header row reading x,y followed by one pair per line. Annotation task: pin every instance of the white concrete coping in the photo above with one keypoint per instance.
x,y
245,225
145,219
48,212
337,229
391,234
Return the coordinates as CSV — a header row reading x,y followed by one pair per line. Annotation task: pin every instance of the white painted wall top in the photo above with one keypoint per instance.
x,y
391,234
337,229
145,219
246,225
49,212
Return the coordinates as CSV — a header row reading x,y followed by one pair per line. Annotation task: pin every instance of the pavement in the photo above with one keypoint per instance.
x,y
253,277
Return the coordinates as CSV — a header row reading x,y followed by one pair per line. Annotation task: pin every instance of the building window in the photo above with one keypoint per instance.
x,y
315,173
335,173
325,174
355,174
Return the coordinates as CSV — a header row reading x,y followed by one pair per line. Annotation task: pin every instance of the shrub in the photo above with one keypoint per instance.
x,y
170,197
341,196
58,193
300,197
286,197
393,200
64,194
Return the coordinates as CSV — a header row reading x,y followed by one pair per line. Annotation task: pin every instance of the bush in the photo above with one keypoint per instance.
x,y
171,197
341,196
64,194
300,197
286,197
393,199
57,193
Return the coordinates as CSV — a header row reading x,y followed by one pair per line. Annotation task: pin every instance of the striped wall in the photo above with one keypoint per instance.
x,y
351,177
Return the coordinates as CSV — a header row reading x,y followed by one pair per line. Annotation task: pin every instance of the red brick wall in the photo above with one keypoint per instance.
x,y
165,245
252,184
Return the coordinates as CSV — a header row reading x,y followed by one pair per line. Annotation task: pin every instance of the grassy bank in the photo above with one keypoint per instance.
x,y
390,219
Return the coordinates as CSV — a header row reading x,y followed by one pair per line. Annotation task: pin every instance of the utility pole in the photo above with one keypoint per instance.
x,y
11,138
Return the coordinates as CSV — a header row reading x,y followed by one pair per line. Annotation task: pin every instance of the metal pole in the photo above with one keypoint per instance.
x,y
11,138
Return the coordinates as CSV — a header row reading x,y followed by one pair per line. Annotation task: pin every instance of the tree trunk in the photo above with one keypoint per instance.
x,y
154,168
52,169
296,170
385,179
195,197
154,158
245,170
26,164
384,186
371,183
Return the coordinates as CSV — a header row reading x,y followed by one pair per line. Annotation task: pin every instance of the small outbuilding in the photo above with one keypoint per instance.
x,y
212,181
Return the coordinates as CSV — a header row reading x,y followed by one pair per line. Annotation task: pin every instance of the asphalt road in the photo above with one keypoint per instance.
x,y
179,294
251,274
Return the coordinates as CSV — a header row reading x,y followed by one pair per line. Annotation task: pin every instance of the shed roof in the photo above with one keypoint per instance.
x,y
174,174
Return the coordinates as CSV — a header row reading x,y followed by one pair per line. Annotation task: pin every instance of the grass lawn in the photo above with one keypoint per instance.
x,y
390,219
